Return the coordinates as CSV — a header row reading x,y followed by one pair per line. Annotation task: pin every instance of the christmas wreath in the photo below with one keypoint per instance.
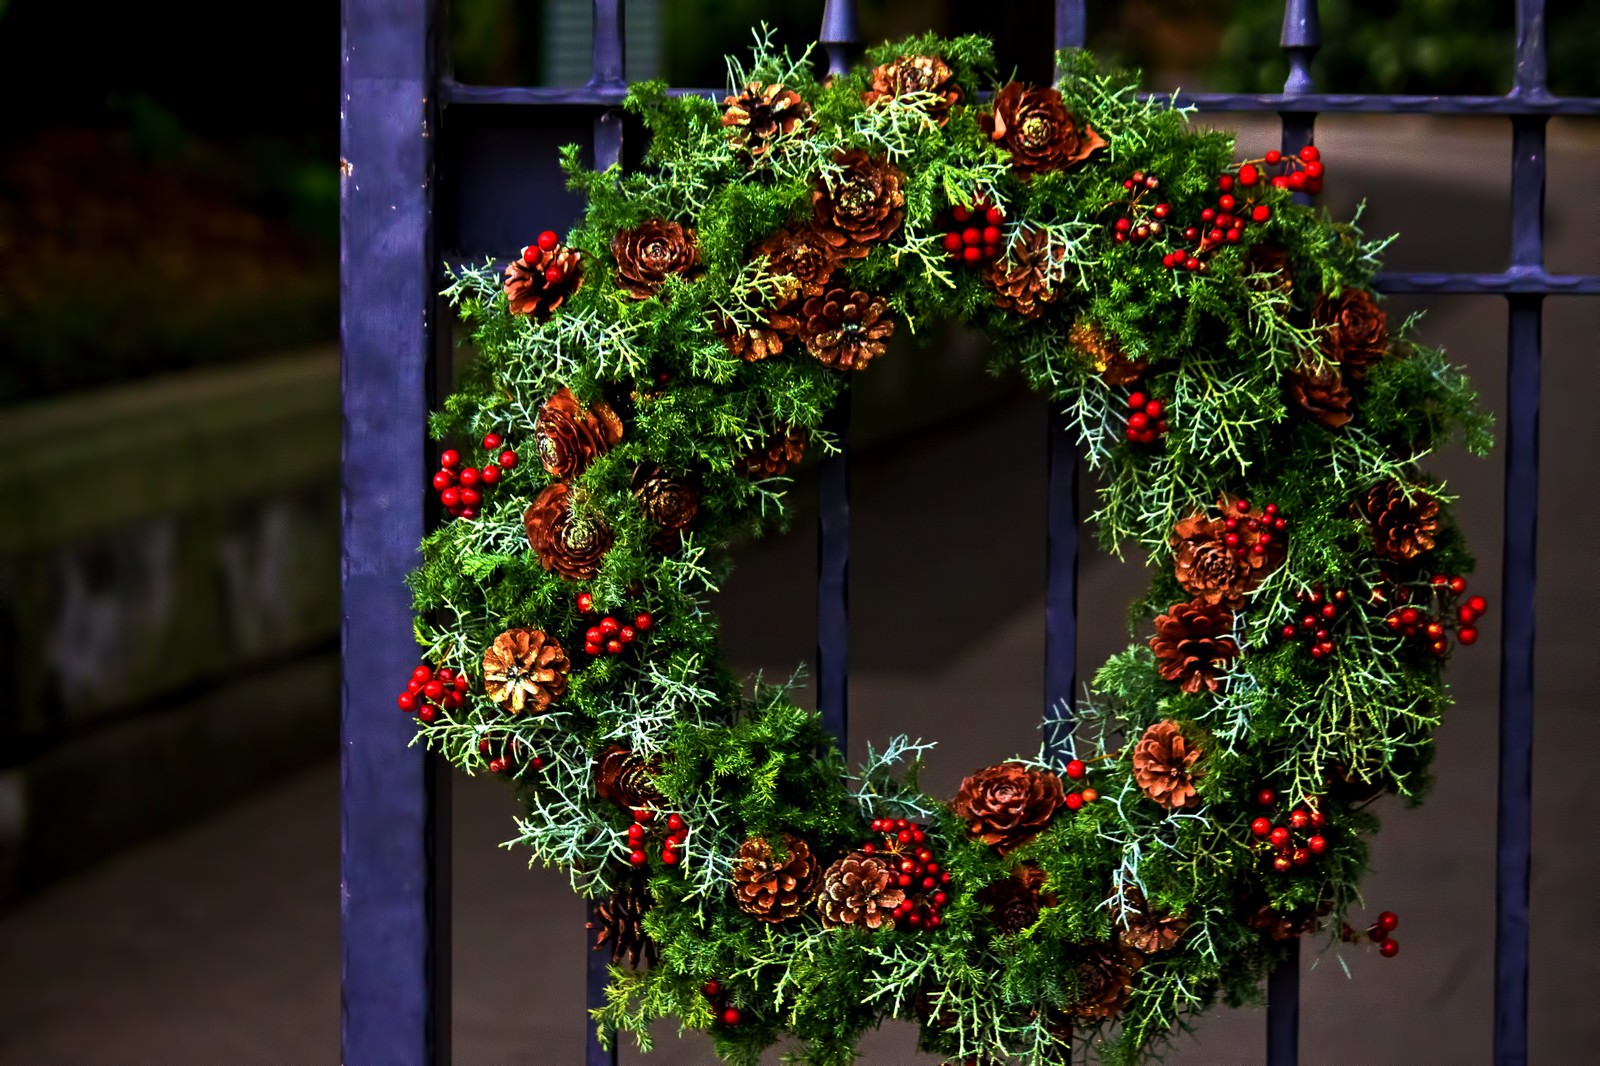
x,y
642,389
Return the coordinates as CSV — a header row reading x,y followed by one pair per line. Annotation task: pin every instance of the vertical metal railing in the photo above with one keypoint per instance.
x,y
394,801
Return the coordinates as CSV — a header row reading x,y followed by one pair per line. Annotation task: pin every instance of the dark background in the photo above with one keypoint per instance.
x,y
169,556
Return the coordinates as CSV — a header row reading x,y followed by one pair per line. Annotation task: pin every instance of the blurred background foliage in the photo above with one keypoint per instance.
x,y
169,194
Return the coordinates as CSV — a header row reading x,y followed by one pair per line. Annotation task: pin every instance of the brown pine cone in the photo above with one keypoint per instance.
x,y
1209,568
529,288
802,253
860,890
570,438
1287,926
1320,396
651,252
1139,926
1014,903
1163,766
758,341
571,547
670,504
760,114
1192,644
774,889
1037,131
1270,265
1401,528
1101,351
626,778
777,453
1356,331
1009,804
1105,980
525,670
1027,279
619,920
846,330
916,74
861,206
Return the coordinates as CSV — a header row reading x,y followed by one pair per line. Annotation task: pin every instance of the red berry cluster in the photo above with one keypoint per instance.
x,y
1267,526
546,242
609,636
713,991
429,693
1378,932
920,874
973,233
1147,420
461,487
677,831
1221,225
1434,620
1300,172
1294,843
1077,770
512,754
1322,611
1139,223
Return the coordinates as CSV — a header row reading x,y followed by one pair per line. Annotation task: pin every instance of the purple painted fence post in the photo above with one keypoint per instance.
x,y
395,871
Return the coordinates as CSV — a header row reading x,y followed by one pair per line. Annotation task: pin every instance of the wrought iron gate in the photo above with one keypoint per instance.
x,y
397,89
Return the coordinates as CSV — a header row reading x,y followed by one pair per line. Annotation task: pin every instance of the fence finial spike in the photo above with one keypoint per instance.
x,y
1301,37
841,34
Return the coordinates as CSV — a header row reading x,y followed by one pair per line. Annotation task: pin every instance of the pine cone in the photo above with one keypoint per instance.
x,y
758,341
571,547
1287,926
1037,131
627,779
1008,805
1269,264
1101,351
570,438
1356,331
1026,280
760,114
774,889
1320,396
802,253
525,670
1014,903
1138,926
1163,766
619,920
1192,645
529,288
846,330
916,74
774,456
861,206
1401,528
859,889
1105,980
651,252
670,504
1209,568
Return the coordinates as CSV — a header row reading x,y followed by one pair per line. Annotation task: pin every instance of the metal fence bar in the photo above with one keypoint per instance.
x,y
395,1003
841,38
1513,841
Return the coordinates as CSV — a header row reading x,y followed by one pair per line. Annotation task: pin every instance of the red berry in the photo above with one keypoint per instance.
x,y
553,276
710,989
1467,635
422,673
1389,948
1282,864
1138,421
1076,769
991,235
1300,856
1478,604
1207,215
638,858
508,458
1154,408
626,634
585,602
443,480
1248,174
1266,797
595,635
609,625
994,216
959,213
1458,585
971,254
470,476
471,497
952,242
972,235
1273,157
990,251
674,822
433,690
614,647
1388,921
1279,837
1191,263
1137,401
592,648
1226,202
490,475
1124,225
1297,180
1310,154
1260,827
1225,182
1314,170
1074,801
1299,819
548,240
1318,845
407,702
643,621
427,714
450,458
1280,182
669,857
1409,616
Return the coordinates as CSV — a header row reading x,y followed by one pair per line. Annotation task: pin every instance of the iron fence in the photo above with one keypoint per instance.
x,y
397,90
